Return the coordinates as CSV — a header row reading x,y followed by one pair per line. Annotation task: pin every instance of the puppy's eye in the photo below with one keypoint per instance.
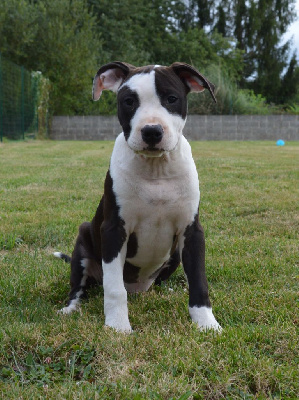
x,y
129,101
171,99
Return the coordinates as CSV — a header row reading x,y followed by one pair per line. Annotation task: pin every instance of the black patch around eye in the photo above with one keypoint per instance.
x,y
172,99
175,104
171,92
128,102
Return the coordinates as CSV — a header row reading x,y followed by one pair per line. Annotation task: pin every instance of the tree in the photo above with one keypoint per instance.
x,y
221,23
196,14
55,37
241,13
204,9
68,39
290,83
259,26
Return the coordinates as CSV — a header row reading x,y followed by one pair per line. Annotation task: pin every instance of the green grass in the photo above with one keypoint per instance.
x,y
249,209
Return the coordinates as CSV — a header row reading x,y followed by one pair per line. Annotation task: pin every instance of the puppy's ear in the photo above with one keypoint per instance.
x,y
110,77
193,79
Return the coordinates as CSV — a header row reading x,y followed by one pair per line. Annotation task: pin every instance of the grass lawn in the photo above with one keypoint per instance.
x,y
249,210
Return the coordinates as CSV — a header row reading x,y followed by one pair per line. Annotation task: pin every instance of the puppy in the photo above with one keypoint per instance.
x,y
147,220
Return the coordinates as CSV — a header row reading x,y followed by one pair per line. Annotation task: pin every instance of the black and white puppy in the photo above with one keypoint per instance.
x,y
147,220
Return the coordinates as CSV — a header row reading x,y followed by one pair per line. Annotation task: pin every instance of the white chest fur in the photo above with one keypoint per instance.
x,y
157,196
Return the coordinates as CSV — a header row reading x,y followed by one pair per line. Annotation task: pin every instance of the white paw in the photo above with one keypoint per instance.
x,y
204,318
65,311
212,326
73,306
119,324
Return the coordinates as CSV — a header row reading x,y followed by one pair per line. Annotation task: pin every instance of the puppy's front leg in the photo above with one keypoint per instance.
x,y
115,294
193,258
114,249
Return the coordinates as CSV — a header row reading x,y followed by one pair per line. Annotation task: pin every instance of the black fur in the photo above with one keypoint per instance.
x,y
193,257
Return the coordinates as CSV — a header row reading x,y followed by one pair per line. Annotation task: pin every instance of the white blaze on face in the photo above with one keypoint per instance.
x,y
151,112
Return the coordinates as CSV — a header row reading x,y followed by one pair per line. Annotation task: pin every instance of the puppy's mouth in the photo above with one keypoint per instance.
x,y
151,152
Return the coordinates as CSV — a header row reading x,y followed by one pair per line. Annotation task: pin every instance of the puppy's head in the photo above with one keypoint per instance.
x,y
152,102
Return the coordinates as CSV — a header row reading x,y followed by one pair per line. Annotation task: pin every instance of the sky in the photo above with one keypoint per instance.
x,y
294,31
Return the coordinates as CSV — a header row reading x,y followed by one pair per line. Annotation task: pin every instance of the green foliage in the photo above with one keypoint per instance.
x,y
230,99
18,29
46,366
248,102
67,41
257,27
290,83
9,241
293,109
43,103
57,38
265,56
150,33
130,29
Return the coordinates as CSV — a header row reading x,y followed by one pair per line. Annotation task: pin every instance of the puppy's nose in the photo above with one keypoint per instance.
x,y
152,134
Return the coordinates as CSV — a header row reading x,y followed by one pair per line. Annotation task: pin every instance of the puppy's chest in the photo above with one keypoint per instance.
x,y
156,211
156,203
158,193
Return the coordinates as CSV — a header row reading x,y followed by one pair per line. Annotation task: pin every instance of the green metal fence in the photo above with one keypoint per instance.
x,y
18,101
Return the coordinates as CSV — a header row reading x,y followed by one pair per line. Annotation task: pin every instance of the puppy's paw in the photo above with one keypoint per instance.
x,y
204,318
119,324
67,310
212,326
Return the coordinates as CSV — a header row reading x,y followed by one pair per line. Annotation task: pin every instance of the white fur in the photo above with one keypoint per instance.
x,y
57,254
150,112
73,306
159,198
204,318
115,294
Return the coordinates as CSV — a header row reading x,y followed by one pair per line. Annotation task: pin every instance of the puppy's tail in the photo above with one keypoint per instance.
x,y
63,257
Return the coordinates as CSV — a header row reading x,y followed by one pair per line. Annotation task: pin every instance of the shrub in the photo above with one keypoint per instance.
x,y
230,99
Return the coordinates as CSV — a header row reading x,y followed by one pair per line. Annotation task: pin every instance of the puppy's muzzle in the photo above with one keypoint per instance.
x,y
152,134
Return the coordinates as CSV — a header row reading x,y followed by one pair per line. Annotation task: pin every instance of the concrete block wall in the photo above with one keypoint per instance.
x,y
85,128
198,127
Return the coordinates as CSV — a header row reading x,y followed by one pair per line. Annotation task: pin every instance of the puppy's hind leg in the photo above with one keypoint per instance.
x,y
79,271
78,285
168,269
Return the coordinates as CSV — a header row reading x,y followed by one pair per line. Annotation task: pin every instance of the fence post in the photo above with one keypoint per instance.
x,y
1,102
